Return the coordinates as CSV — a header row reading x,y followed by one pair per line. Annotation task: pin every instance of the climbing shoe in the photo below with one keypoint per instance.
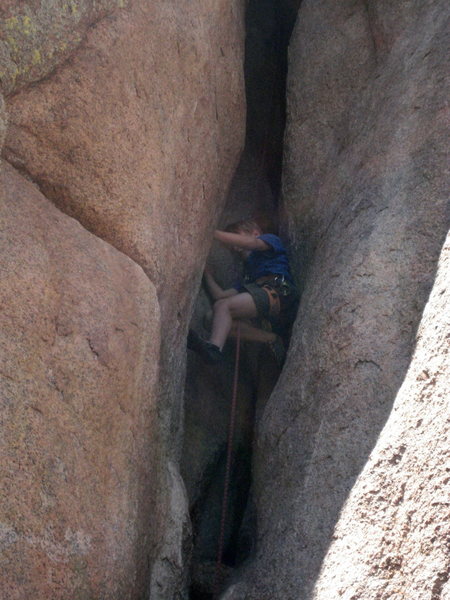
x,y
277,350
210,353
194,341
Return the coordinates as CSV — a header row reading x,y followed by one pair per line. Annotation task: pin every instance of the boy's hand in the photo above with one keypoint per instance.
x,y
213,287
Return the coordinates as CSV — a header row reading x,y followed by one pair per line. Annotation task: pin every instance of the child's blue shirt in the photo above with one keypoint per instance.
x,y
273,261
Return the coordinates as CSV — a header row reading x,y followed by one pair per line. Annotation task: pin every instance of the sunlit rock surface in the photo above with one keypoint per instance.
x,y
80,348
391,541
129,117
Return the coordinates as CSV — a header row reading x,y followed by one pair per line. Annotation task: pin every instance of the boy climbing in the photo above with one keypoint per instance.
x,y
266,292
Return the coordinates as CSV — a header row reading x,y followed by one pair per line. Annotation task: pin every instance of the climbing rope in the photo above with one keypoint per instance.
x,y
217,582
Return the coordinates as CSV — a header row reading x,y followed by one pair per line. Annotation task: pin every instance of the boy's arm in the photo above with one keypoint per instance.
x,y
214,288
241,240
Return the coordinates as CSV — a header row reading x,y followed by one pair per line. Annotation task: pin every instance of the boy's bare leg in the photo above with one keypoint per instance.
x,y
240,306
250,333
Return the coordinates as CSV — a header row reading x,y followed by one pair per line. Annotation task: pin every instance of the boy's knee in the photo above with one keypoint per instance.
x,y
220,305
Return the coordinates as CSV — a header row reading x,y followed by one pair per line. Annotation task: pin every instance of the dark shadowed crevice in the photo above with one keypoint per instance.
x,y
269,26
254,193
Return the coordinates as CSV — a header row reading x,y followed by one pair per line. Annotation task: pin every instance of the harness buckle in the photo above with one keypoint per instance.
x,y
282,284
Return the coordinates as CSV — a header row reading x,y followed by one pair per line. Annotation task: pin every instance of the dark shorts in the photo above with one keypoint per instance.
x,y
260,298
272,305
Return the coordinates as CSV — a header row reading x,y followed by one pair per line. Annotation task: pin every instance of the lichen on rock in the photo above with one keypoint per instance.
x,y
36,37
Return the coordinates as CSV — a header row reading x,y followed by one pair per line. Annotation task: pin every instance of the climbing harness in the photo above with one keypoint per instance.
x,y
274,299
231,427
277,282
279,290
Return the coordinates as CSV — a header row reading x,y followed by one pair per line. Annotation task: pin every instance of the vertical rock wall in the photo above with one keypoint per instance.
x,y
392,538
128,117
79,340
367,211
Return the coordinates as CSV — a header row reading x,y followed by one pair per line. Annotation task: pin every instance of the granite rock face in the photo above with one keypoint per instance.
x,y
129,117
392,538
3,121
80,346
35,36
125,124
135,135
367,212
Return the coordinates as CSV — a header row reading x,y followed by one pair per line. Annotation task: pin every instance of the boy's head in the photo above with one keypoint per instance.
x,y
247,226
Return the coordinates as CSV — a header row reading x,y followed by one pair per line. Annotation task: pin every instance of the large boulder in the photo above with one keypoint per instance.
x,y
133,125
392,537
367,213
138,134
80,347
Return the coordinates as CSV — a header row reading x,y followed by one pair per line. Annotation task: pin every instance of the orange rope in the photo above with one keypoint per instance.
x,y
228,465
